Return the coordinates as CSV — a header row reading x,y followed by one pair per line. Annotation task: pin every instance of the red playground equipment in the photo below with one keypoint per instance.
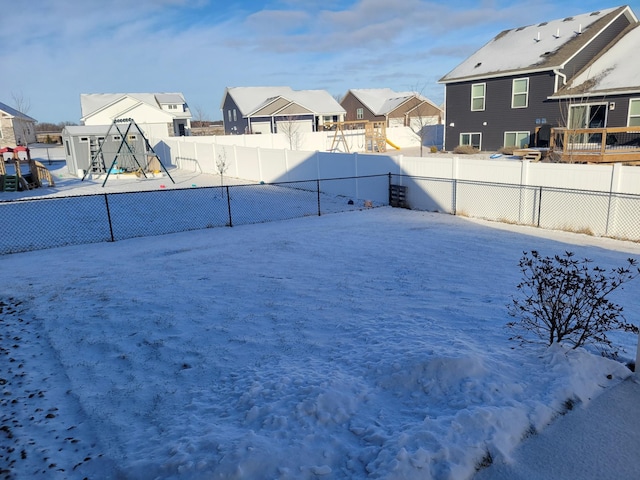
x,y
37,174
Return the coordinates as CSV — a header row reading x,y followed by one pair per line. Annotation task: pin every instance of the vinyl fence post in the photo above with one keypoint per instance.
x,y
106,202
229,205
318,190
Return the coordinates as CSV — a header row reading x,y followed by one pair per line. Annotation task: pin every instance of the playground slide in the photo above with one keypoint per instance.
x,y
393,144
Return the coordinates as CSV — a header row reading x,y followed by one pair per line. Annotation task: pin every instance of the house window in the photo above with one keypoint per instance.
x,y
478,96
229,115
66,143
520,95
132,138
359,113
235,115
634,112
84,139
117,138
516,139
472,139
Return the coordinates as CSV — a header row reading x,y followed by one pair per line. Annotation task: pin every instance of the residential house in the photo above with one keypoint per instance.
x,y
606,92
16,128
517,82
277,109
158,114
408,109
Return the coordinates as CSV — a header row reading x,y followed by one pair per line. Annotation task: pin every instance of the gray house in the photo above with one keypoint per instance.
x,y
274,109
518,82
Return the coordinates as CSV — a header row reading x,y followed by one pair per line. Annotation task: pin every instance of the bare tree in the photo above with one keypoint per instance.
x,y
291,130
199,117
20,102
23,105
421,116
222,164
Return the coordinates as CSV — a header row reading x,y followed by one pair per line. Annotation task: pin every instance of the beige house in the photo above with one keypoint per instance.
x,y
16,128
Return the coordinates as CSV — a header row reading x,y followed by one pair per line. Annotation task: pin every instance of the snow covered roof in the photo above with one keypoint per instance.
x,y
91,103
87,129
614,71
251,99
12,112
382,101
538,47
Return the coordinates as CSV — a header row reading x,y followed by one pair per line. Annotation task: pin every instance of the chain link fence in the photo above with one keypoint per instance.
x,y
606,214
38,223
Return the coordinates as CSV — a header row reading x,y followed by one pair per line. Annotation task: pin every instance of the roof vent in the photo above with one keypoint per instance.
x,y
519,29
594,14
478,64
542,24
568,19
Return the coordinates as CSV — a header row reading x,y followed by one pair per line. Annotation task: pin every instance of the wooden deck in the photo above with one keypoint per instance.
x,y
596,145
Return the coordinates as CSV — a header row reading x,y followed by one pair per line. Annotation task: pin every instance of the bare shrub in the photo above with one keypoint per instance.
x,y
507,150
564,300
465,150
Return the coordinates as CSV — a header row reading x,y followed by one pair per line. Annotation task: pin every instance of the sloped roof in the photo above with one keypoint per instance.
x,y
538,47
91,103
87,129
12,112
252,99
382,101
614,71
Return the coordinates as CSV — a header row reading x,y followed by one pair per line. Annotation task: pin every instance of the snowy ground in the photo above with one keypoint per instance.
x,y
368,344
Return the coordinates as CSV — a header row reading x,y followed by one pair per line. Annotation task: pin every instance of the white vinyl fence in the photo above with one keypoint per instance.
x,y
598,199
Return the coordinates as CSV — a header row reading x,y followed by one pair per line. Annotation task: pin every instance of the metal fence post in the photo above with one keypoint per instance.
x,y
454,197
106,202
389,188
318,190
539,206
229,205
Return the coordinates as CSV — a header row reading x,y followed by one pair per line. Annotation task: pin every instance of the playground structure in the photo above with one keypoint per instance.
x,y
132,154
375,135
38,173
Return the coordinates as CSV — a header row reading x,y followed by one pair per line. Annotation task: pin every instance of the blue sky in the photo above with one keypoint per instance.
x,y
54,50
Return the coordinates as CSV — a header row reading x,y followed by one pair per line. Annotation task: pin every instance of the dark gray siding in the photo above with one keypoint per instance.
x,y
597,45
498,114
240,125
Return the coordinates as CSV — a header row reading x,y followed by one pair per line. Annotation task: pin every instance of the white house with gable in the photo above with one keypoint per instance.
x,y
158,114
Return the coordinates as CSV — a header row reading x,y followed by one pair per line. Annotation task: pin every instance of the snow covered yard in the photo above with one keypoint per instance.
x,y
365,344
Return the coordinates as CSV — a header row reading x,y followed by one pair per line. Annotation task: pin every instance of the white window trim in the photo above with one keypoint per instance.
x,y
629,116
484,97
525,93
470,134
359,113
516,132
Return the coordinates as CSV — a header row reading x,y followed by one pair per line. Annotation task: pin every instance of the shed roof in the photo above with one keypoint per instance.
x,y
253,99
613,71
538,47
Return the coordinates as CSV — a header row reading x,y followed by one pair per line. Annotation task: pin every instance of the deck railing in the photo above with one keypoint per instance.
x,y
596,145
